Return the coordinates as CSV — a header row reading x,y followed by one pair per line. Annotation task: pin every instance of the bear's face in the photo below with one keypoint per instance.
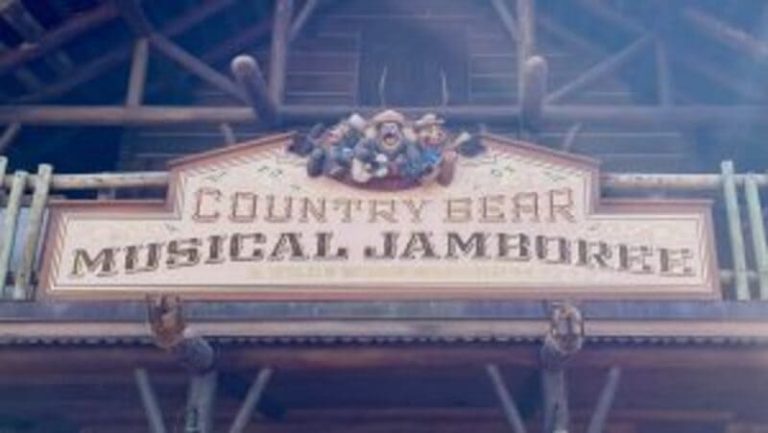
x,y
390,137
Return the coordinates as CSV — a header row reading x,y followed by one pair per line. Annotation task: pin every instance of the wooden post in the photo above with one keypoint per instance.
x,y
248,75
9,229
138,77
10,134
251,401
149,401
279,53
600,70
604,403
195,66
534,89
757,224
199,410
302,18
22,284
506,400
741,284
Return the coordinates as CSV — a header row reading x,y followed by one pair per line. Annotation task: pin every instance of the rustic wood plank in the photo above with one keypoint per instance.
x,y
506,401
607,395
302,18
251,401
22,286
250,78
10,220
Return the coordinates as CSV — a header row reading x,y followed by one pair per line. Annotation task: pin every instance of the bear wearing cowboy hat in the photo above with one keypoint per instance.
x,y
389,150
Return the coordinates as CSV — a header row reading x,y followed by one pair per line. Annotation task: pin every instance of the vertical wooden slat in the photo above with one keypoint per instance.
x,y
21,287
757,224
149,401
526,41
9,227
741,283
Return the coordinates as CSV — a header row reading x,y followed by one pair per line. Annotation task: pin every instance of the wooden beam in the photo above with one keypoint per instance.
x,y
101,115
251,401
506,18
9,135
8,238
57,37
22,287
248,75
132,13
507,402
114,58
726,34
138,76
149,401
195,66
301,19
279,53
605,401
18,17
600,70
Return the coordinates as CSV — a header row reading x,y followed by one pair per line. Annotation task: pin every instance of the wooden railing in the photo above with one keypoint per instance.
x,y
31,191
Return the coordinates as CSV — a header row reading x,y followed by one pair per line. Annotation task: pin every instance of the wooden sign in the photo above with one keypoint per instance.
x,y
514,220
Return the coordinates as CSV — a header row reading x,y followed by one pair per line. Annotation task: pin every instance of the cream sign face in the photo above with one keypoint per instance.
x,y
247,222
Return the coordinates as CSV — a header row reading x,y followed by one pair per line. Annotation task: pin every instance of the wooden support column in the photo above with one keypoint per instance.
x,y
733,213
251,401
149,401
248,75
138,77
506,400
22,288
757,226
201,395
302,18
279,52
600,70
